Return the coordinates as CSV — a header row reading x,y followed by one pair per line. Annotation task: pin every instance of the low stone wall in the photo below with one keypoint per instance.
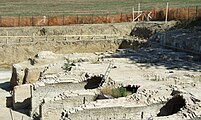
x,y
53,109
116,113
51,91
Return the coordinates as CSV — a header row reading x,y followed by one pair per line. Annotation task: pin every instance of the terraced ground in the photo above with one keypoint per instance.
x,y
73,7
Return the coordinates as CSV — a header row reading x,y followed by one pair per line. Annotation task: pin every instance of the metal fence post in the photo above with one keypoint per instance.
x,y
77,19
63,19
19,20
166,13
1,21
32,21
106,18
126,18
121,19
188,14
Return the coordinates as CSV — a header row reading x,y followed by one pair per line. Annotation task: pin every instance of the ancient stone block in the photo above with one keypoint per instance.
x,y
22,96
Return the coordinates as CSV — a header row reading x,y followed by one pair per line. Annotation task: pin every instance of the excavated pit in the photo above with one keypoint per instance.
x,y
172,106
146,55
94,82
132,88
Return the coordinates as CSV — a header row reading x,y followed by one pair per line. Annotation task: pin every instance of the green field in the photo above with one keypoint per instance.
x,y
73,7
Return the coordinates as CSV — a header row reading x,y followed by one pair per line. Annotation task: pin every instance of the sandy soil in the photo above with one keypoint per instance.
x,y
6,112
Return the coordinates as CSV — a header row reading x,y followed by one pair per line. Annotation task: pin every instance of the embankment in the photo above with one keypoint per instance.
x,y
20,43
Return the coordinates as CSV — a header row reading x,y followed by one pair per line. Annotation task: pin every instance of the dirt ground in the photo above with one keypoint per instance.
x,y
164,76
6,112
159,72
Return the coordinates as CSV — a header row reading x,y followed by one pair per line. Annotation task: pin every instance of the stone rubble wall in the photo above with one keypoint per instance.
x,y
50,91
188,40
115,113
53,109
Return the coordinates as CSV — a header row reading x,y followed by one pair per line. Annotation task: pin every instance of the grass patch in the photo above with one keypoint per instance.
x,y
68,65
199,78
115,92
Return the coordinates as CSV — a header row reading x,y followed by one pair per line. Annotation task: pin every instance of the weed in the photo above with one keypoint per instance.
x,y
95,62
115,92
68,65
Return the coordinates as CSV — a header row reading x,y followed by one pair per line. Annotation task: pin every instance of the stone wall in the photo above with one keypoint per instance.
x,y
48,92
53,109
188,40
116,113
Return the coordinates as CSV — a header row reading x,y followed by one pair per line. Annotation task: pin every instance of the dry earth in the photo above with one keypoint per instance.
x,y
6,112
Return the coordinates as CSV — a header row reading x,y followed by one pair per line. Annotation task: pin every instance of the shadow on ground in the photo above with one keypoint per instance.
x,y
159,56
5,86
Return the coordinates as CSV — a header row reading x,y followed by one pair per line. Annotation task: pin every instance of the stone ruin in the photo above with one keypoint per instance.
x,y
144,82
46,88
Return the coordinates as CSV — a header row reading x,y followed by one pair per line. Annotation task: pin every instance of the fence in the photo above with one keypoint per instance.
x,y
155,15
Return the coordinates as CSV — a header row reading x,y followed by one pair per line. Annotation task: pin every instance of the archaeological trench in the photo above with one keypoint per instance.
x,y
130,71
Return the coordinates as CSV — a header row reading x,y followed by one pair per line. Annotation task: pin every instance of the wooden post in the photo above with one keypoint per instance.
x,y
138,10
41,111
166,14
92,17
133,14
188,13
1,21
196,8
11,114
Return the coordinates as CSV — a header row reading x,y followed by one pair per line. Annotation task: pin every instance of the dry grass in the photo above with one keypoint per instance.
x,y
107,90
115,92
84,7
65,12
